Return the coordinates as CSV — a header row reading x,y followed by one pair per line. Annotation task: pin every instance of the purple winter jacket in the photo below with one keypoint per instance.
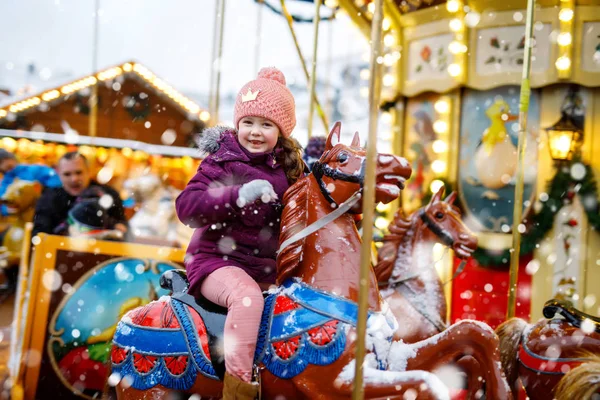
x,y
226,235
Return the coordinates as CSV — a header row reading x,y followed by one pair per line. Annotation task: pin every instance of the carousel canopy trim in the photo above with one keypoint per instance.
x,y
81,140
130,69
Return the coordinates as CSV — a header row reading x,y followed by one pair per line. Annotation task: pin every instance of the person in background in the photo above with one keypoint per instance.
x,y
53,207
11,170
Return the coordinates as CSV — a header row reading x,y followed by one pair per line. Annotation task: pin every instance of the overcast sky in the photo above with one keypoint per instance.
x,y
171,37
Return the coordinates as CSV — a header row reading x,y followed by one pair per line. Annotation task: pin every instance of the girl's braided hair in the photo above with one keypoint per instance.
x,y
293,165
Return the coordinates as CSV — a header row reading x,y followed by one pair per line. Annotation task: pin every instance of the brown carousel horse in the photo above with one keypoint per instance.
x,y
555,358
306,344
406,271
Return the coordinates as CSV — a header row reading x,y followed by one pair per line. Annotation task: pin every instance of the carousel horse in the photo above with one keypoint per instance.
x,y
88,219
306,343
555,358
21,197
406,271
156,211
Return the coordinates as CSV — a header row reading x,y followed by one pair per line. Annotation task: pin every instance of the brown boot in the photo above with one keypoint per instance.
x,y
236,389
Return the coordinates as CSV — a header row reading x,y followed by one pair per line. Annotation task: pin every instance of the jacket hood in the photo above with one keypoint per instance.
x,y
208,140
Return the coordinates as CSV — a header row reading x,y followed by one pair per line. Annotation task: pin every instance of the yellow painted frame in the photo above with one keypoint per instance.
x,y
37,307
583,14
505,19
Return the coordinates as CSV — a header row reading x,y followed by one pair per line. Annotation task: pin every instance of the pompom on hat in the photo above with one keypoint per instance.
x,y
267,97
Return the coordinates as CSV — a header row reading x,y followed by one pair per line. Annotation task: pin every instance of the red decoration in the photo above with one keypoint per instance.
x,y
118,355
286,348
322,335
176,365
473,299
143,363
283,304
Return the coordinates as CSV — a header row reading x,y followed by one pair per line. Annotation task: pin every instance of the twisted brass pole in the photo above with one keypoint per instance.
x,y
518,203
368,199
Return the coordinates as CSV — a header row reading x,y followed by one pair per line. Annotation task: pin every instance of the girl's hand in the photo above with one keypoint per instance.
x,y
254,190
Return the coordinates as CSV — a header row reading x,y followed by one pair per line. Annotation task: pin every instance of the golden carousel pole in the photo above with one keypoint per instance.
x,y
290,21
518,204
93,124
313,74
215,66
258,42
368,198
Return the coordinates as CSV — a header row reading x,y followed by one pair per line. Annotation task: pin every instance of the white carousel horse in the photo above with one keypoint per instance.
x,y
156,217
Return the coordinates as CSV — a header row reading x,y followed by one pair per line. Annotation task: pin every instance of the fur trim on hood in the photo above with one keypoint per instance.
x,y
208,139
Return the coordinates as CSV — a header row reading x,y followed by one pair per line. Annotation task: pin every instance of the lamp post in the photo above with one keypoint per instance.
x,y
565,136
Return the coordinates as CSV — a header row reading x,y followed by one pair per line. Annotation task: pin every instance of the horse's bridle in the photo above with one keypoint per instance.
x,y
444,236
320,170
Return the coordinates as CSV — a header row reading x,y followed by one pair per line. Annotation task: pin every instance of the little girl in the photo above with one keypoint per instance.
x,y
233,202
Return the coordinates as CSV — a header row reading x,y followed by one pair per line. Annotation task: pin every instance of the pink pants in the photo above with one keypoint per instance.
x,y
233,288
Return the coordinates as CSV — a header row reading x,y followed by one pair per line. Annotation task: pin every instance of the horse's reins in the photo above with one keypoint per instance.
x,y
319,170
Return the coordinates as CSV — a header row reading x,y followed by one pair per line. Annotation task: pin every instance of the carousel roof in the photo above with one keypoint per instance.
x,y
130,69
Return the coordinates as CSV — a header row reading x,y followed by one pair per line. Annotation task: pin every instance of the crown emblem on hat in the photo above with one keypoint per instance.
x,y
249,96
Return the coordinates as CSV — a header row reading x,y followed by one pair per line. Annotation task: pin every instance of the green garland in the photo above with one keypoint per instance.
x,y
560,190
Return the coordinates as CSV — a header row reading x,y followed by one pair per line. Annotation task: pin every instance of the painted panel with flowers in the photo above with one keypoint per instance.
x,y
429,58
500,49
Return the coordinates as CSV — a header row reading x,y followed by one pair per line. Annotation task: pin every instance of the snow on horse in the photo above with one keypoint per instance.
x,y
306,344
156,210
555,358
406,271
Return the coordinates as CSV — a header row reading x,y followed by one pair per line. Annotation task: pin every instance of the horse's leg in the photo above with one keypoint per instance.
x,y
464,338
470,366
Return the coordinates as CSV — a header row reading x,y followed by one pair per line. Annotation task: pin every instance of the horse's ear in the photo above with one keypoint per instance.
x,y
451,198
438,196
334,136
355,140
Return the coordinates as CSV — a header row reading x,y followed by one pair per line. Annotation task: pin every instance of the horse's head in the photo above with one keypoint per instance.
x,y
444,220
142,187
22,195
340,171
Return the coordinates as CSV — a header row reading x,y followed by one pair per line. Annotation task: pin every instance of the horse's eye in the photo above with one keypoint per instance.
x,y
342,157
439,215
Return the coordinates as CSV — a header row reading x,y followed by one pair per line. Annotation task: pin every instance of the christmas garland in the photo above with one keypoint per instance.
x,y
572,179
138,106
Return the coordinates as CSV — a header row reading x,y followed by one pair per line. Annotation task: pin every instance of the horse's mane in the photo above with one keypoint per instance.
x,y
293,220
388,252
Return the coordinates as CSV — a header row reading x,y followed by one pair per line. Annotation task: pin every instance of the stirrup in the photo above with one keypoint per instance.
x,y
256,374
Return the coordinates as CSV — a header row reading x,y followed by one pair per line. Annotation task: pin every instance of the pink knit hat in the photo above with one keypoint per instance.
x,y
267,97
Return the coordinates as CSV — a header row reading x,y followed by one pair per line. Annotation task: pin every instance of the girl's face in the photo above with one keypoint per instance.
x,y
257,135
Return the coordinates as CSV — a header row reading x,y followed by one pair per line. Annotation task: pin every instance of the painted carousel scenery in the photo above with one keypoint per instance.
x,y
488,156
425,146
83,325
